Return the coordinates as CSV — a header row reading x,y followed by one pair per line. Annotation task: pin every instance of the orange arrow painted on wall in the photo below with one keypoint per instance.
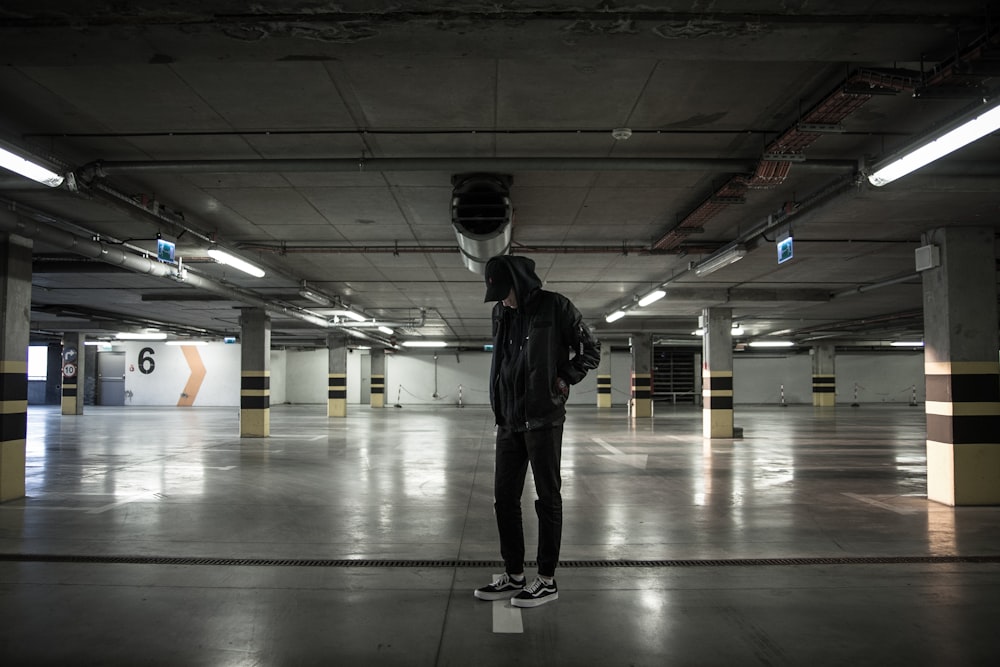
x,y
197,375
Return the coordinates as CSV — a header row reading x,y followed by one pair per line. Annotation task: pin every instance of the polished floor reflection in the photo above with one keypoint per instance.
x,y
157,536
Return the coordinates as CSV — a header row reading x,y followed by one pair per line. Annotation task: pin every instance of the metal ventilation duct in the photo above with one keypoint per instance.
x,y
481,214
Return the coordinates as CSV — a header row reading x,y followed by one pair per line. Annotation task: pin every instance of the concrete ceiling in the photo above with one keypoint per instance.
x,y
335,130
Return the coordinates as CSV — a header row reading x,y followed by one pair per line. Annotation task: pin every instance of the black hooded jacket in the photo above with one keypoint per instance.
x,y
534,345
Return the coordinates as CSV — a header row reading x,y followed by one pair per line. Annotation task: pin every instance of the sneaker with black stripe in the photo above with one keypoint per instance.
x,y
503,587
537,593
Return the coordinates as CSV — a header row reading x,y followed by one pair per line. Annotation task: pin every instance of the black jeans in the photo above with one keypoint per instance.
x,y
542,448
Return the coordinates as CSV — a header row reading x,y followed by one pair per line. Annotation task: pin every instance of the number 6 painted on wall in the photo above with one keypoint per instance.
x,y
146,361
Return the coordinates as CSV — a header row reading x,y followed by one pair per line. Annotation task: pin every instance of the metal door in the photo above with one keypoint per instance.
x,y
111,378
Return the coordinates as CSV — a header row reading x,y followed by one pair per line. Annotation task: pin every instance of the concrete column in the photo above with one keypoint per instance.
x,y
255,376
15,308
961,368
336,404
642,376
824,375
604,379
717,373
378,378
73,365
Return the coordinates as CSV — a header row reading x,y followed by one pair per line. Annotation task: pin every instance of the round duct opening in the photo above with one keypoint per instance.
x,y
481,214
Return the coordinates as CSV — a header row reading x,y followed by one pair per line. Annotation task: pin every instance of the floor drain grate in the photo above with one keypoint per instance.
x,y
403,563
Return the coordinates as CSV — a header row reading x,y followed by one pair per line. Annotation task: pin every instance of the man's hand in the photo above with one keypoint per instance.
x,y
562,387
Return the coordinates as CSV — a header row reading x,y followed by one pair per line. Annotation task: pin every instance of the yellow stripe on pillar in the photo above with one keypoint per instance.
x,y
13,428
255,404
963,432
378,391
824,390
642,395
604,391
336,404
717,404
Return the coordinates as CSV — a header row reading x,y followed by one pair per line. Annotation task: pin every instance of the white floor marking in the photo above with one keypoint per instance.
x,y
635,460
506,619
616,452
876,503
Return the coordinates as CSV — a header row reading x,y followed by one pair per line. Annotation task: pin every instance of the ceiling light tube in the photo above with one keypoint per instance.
x,y
652,297
425,343
228,259
386,330
901,343
350,314
615,316
983,121
29,168
125,335
720,259
313,296
772,343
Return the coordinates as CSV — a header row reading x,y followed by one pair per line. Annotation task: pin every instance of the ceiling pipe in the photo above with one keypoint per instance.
x,y
283,249
104,168
117,256
874,286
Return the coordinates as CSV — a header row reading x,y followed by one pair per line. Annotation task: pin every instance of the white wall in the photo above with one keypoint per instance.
x,y
307,376
279,359
759,379
889,378
156,374
301,376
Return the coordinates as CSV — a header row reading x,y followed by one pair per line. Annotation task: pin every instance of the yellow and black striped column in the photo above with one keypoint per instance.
x,y
604,379
72,374
336,402
824,376
13,427
378,379
642,376
15,306
963,432
717,403
961,370
255,376
717,373
604,391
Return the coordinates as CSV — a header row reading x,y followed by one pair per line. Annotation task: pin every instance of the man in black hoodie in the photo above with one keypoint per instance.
x,y
540,347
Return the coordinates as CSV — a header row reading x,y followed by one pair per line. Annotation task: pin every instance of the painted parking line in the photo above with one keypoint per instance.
x,y
635,460
506,619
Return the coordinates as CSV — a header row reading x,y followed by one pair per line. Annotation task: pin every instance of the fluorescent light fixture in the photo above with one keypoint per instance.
x,y
125,335
187,342
985,120
720,259
425,343
386,330
29,169
350,314
900,343
652,297
615,316
737,331
772,343
224,257
314,296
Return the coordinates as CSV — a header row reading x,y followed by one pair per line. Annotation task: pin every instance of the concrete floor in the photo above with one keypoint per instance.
x,y
359,541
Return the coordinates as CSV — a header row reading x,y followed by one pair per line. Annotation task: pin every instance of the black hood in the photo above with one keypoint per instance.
x,y
522,274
